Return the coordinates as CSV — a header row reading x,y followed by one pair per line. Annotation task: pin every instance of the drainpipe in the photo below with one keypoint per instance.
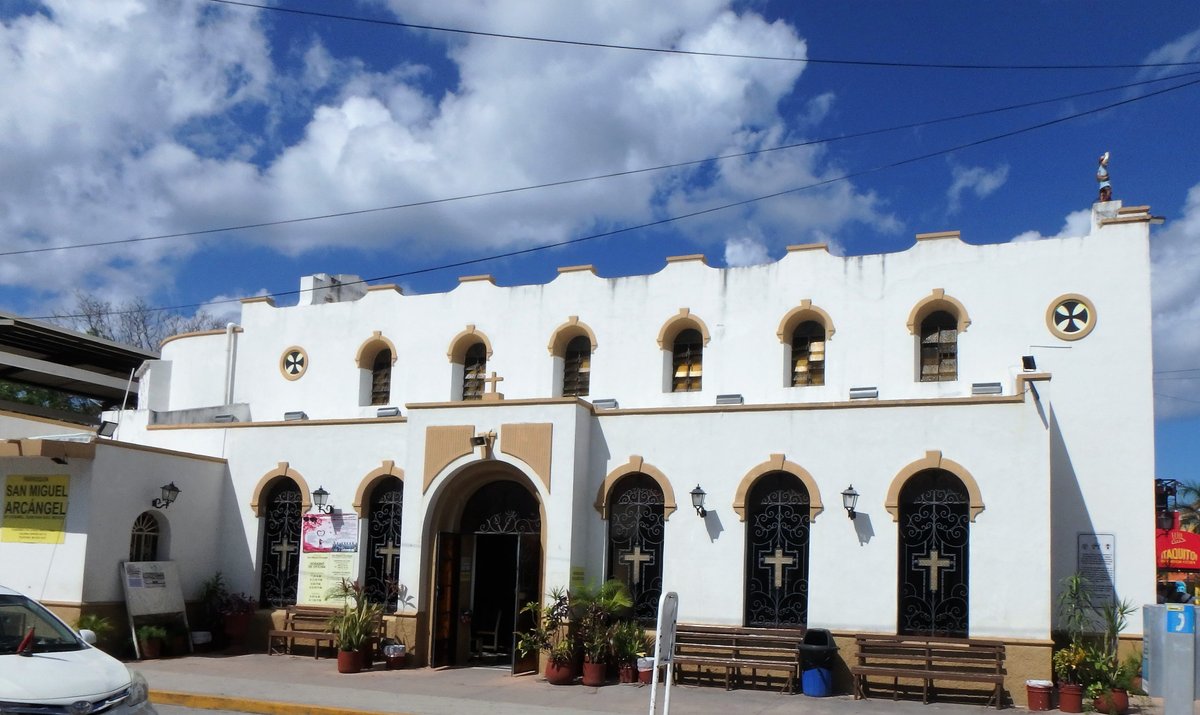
x,y
230,356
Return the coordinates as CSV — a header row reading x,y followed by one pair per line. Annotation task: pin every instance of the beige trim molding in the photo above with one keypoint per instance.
x,y
50,448
482,278
259,299
281,471
635,465
589,268
777,463
469,404
443,445
678,323
933,460
113,444
468,337
47,420
938,235
374,477
805,311
1070,337
938,300
282,423
688,258
197,334
532,444
386,286
283,363
799,247
371,347
567,332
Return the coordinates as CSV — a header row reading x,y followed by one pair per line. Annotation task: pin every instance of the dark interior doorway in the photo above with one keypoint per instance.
x,y
486,572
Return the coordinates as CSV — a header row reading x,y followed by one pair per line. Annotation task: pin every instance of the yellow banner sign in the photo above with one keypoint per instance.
x,y
35,509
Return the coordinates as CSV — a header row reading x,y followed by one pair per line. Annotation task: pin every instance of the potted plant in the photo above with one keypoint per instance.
x,y
628,642
596,611
1068,666
236,610
550,635
1076,613
1111,676
101,626
150,639
212,595
354,626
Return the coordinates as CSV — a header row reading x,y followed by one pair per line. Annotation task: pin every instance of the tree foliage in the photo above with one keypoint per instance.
x,y
133,322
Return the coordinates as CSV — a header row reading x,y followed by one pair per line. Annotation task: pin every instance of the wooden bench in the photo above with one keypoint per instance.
x,y
927,660
734,651
312,623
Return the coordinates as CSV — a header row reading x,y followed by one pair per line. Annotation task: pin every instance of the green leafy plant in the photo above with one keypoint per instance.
x,y
100,625
550,633
150,632
355,624
1069,664
234,604
596,610
628,641
212,595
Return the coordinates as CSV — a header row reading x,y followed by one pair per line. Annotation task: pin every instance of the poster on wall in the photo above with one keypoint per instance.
x,y
35,509
1095,561
328,554
152,589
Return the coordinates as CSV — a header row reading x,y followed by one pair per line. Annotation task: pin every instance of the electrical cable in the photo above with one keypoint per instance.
x,y
693,214
595,177
694,53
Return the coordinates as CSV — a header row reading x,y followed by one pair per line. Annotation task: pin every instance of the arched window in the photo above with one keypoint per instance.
x,y
474,372
939,347
635,541
777,531
381,377
143,538
688,361
383,522
280,557
808,354
577,367
934,550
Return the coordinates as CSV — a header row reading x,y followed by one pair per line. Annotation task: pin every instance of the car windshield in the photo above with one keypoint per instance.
x,y
18,614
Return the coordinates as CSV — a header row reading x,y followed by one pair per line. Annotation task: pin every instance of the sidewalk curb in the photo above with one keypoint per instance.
x,y
248,705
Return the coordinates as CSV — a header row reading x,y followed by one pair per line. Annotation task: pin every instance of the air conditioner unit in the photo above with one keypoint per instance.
x,y
986,388
864,393
730,400
295,415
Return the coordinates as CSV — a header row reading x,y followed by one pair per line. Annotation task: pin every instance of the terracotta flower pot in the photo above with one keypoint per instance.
x,y
1070,698
151,648
626,673
235,627
594,673
1115,701
560,674
349,661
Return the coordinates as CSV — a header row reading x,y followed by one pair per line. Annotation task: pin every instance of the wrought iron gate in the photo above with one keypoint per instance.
x,y
635,542
383,539
777,530
934,548
281,545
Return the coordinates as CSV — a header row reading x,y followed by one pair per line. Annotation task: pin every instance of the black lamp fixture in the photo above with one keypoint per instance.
x,y
1028,363
698,501
170,492
321,501
849,500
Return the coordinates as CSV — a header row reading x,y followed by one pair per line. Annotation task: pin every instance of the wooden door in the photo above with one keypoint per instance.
x,y
445,599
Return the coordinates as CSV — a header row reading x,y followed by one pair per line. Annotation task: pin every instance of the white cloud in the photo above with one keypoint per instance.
x,y
1077,223
745,251
1186,48
975,179
133,117
1175,259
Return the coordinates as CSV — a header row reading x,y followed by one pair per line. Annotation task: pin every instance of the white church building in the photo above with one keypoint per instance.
x,y
990,406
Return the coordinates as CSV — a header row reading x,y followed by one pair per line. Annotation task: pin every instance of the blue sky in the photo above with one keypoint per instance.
x,y
133,118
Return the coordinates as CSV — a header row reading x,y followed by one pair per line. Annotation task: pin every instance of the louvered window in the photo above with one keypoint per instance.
x,y
939,348
474,372
688,361
808,354
381,378
577,367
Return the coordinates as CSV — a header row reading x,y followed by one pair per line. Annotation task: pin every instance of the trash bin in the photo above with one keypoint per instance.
x,y
816,658
395,655
645,668
1038,694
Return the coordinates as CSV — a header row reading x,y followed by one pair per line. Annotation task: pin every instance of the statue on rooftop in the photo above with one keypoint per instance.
x,y
1102,177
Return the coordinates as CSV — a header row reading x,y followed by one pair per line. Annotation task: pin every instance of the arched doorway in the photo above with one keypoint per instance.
x,y
280,557
488,565
777,536
934,550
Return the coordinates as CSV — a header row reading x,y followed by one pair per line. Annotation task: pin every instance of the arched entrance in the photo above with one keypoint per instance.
x,y
934,543
488,564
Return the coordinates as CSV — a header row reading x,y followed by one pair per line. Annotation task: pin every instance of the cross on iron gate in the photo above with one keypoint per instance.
x,y
933,563
635,559
778,561
282,550
388,554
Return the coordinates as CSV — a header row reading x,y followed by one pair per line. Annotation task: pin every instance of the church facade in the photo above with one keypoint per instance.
x,y
703,431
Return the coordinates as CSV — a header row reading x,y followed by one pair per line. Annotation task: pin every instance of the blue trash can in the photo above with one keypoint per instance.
x,y
817,682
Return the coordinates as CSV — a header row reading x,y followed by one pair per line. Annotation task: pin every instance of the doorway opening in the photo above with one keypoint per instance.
x,y
487,569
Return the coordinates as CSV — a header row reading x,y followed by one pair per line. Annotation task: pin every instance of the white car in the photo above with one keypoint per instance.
x,y
48,669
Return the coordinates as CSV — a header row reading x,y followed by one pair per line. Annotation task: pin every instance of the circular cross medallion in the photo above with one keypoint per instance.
x,y
1071,317
294,363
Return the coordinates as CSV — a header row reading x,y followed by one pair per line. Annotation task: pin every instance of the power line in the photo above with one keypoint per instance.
x,y
1173,397
1169,372
699,212
596,177
694,53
